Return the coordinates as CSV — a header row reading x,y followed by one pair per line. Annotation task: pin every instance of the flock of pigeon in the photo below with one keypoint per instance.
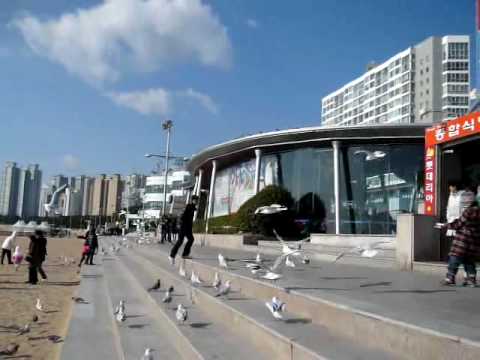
x,y
12,348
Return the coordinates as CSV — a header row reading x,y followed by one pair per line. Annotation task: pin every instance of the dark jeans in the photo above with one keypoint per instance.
x,y
90,256
42,273
188,246
9,255
454,263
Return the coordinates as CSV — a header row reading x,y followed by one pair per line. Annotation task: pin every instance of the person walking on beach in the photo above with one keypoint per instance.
x,y
465,247
186,223
7,246
34,258
88,246
42,241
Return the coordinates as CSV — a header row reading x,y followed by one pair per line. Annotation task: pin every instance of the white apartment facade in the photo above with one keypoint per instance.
x,y
425,83
153,197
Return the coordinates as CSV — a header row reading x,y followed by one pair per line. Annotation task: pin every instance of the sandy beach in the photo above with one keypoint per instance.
x,y
17,300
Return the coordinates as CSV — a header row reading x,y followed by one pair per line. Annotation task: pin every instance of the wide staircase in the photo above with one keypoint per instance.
x,y
316,325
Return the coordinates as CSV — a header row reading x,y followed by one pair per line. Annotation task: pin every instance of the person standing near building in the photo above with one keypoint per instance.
x,y
465,247
453,206
7,246
186,224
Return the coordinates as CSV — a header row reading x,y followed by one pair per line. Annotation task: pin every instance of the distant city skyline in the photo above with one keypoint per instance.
x,y
252,66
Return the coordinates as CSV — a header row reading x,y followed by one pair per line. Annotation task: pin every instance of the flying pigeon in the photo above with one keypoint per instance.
x,y
224,289
148,354
276,307
120,307
39,305
306,260
290,249
121,316
271,209
272,276
365,250
216,281
79,300
155,286
258,259
222,262
181,314
289,262
52,205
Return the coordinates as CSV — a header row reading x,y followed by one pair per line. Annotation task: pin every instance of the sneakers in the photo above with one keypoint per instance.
x,y
448,282
469,282
172,260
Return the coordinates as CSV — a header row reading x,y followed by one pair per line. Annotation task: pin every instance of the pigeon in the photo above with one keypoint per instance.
x,y
52,206
306,260
167,299
182,271
39,305
24,330
121,316
272,276
54,338
294,248
222,262
216,281
365,250
224,289
148,354
79,300
120,307
271,209
10,349
289,262
155,286
276,307
258,259
195,279
35,318
181,314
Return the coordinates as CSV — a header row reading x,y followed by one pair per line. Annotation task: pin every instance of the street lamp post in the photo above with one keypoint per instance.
x,y
167,125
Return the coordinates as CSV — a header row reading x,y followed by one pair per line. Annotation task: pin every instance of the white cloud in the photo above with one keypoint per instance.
x,y
252,23
98,43
71,162
160,101
148,102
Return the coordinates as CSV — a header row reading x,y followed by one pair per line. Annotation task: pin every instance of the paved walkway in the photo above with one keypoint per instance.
x,y
414,298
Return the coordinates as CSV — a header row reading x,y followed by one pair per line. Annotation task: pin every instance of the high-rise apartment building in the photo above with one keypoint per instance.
x,y
9,189
114,194
132,191
428,82
99,196
20,190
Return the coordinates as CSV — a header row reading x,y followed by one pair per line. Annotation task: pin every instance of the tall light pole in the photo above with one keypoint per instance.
x,y
167,125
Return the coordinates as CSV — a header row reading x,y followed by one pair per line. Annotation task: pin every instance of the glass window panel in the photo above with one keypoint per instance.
x,y
377,182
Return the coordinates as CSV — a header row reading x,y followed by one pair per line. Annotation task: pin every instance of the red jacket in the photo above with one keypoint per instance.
x,y
467,237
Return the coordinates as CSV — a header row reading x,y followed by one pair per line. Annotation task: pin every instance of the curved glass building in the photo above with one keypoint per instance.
x,y
352,180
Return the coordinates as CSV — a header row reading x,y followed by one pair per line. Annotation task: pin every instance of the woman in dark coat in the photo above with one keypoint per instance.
x,y
465,247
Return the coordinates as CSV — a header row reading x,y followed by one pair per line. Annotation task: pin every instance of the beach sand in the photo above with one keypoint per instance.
x,y
17,300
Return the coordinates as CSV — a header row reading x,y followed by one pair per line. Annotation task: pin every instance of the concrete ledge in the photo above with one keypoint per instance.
x,y
226,241
347,240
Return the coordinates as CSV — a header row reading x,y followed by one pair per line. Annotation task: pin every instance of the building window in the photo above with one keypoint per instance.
x,y
378,182
457,51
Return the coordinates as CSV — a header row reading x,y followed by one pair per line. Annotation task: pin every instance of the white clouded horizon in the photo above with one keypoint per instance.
x,y
159,101
71,162
99,43
252,23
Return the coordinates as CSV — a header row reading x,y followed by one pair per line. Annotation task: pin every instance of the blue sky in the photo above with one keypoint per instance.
x,y
86,84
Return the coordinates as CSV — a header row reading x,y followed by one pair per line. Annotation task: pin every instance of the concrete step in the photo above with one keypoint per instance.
x,y
368,328
212,339
145,327
294,338
92,333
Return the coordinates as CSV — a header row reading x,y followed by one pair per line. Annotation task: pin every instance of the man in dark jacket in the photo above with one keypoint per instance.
x,y
42,243
186,223
34,258
465,247
93,242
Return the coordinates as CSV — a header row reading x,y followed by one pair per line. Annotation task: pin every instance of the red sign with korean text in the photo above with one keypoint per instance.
x,y
442,133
